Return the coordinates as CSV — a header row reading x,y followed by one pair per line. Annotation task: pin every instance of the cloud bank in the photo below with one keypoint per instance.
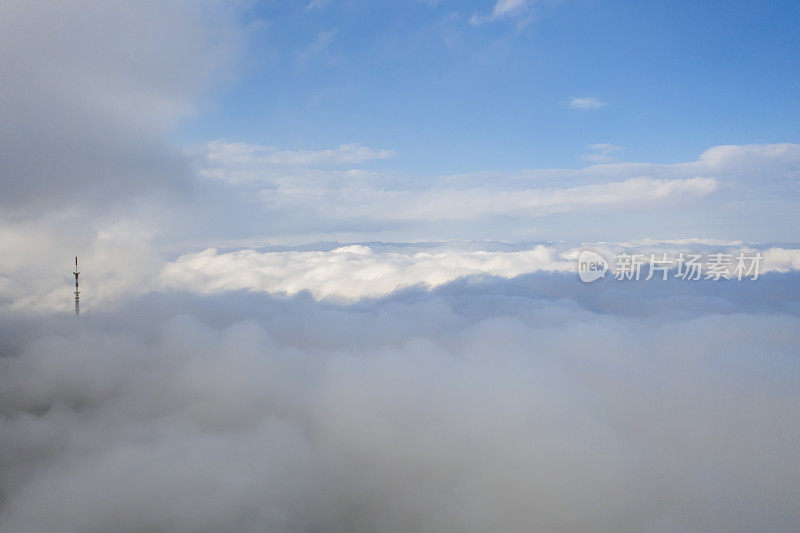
x,y
489,406
351,273
121,264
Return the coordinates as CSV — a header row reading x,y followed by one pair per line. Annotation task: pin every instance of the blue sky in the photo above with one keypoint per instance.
x,y
451,96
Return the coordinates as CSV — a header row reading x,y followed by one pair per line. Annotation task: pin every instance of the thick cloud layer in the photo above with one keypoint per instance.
x,y
360,271
121,263
351,272
532,404
91,90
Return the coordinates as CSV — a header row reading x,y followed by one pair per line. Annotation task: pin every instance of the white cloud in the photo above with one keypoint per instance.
x,y
122,262
690,240
781,260
502,9
237,162
472,203
348,273
608,147
603,153
320,188
355,272
586,103
754,158
316,4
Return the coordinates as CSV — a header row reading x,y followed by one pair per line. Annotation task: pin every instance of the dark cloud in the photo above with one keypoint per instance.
x,y
90,92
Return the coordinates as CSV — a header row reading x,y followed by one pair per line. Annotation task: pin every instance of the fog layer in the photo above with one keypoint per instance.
x,y
475,407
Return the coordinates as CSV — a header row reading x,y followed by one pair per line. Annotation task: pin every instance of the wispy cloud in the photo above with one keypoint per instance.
x,y
342,191
320,44
234,161
586,103
316,4
603,153
502,9
377,203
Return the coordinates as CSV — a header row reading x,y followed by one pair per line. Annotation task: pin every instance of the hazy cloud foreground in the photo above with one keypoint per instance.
x,y
504,404
306,338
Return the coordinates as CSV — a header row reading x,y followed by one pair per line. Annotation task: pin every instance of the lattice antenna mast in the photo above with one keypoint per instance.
x,y
77,292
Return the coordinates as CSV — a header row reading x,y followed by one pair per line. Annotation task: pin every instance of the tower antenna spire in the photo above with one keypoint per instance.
x,y
77,292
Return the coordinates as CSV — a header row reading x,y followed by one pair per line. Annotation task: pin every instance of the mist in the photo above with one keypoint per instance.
x,y
485,406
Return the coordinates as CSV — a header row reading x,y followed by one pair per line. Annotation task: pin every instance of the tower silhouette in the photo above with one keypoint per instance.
x,y
77,292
